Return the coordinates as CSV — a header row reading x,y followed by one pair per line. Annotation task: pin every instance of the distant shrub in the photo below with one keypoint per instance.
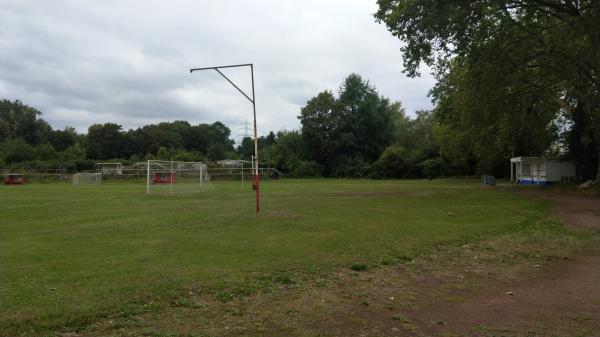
x,y
351,168
359,267
433,167
393,163
306,168
73,153
162,153
16,150
44,152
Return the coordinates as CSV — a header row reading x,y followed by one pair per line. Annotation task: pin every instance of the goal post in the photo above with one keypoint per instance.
x,y
175,176
87,178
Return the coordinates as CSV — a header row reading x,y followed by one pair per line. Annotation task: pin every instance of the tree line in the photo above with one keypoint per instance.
x,y
356,133
28,141
514,78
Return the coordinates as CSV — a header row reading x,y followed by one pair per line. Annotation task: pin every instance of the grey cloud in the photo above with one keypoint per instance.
x,y
127,61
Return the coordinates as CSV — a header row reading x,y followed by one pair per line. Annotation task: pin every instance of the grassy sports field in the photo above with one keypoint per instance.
x,y
74,254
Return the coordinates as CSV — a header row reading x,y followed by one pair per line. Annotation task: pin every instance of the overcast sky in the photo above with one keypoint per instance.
x,y
84,62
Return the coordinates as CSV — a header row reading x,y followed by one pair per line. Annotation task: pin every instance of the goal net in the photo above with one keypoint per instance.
x,y
87,178
175,176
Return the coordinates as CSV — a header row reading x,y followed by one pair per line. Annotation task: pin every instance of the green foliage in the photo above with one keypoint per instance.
x,y
246,148
16,150
341,136
435,31
63,139
359,267
25,137
283,279
216,152
317,127
18,120
415,151
162,153
104,141
350,168
470,109
526,72
183,155
347,133
433,167
306,168
402,124
288,155
393,163
45,152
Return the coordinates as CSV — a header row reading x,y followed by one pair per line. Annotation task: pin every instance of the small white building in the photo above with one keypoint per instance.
x,y
540,170
233,163
109,168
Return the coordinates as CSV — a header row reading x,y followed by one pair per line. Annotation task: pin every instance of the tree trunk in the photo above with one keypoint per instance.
x,y
598,170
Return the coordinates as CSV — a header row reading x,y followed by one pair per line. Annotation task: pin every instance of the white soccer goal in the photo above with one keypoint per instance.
x,y
87,178
175,176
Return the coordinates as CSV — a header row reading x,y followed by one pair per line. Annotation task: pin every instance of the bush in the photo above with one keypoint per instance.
x,y
306,168
44,152
351,168
73,153
359,267
216,152
393,163
183,155
430,168
16,150
162,153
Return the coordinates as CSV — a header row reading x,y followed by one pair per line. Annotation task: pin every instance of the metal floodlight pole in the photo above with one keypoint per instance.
x,y
253,101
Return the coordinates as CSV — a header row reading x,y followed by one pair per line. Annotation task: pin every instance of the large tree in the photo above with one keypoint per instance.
x,y
318,127
348,131
63,139
18,120
435,31
104,141
246,148
530,52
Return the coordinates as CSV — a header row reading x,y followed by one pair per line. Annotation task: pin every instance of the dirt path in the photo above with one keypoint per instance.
x,y
575,210
560,298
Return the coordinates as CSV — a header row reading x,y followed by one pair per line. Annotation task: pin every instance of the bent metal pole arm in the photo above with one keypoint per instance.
x,y
221,67
227,78
253,101
235,86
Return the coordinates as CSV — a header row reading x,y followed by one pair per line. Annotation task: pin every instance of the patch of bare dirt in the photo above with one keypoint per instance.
x,y
574,209
563,297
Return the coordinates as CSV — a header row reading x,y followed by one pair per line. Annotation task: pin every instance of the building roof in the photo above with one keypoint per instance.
x,y
525,159
231,162
518,159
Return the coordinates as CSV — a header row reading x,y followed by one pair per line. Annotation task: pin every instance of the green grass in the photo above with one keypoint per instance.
x,y
71,255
